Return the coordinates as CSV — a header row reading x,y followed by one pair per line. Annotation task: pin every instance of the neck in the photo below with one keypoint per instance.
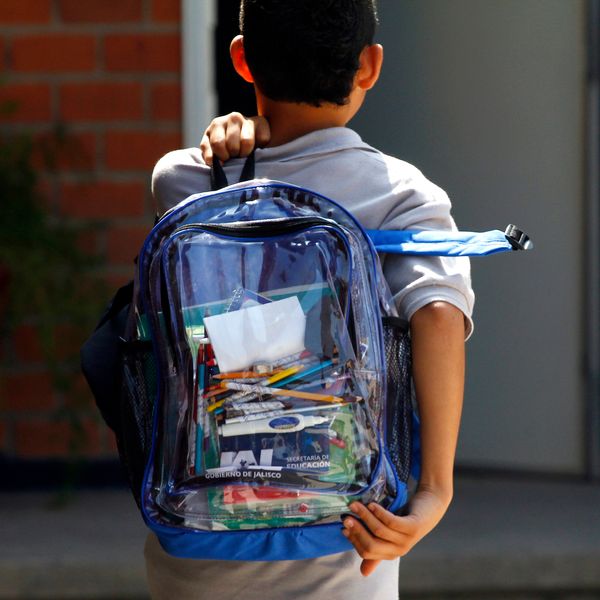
x,y
290,120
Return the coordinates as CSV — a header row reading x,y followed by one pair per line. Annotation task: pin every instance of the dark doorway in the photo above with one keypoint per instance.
x,y
233,93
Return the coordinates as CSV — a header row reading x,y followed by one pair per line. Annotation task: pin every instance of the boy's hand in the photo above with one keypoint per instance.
x,y
233,135
389,536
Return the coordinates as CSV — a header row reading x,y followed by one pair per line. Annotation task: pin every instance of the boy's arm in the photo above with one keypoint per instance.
x,y
437,332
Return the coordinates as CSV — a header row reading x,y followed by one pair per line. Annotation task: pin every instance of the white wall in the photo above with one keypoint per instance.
x,y
199,95
487,97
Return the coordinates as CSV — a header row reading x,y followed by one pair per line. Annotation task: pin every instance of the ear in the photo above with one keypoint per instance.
x,y
238,58
371,59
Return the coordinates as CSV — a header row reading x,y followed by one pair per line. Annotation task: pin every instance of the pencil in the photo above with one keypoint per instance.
x,y
242,375
282,375
259,389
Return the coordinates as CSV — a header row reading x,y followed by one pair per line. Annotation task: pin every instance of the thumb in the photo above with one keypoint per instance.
x,y
368,565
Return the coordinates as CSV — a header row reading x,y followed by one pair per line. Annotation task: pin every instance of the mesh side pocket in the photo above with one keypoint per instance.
x,y
138,394
399,394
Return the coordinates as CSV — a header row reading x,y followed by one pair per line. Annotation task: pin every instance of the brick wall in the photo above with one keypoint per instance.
x,y
109,71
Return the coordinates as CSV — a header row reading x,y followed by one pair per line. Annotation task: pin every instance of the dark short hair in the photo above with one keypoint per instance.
x,y
306,51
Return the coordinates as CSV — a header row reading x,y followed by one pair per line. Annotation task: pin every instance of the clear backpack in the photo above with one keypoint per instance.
x,y
266,374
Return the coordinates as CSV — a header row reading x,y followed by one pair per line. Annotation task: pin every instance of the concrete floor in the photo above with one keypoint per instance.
x,y
507,538
501,539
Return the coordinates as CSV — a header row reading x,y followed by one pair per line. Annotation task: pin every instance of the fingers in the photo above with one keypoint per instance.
x,y
233,135
247,137
262,131
233,129
222,138
381,535
214,141
381,523
254,133
367,545
206,149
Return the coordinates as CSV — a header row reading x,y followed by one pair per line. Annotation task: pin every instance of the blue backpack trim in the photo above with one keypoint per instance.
x,y
448,243
295,543
287,543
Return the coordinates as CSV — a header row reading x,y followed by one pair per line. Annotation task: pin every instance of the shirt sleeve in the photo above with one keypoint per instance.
x,y
176,176
416,281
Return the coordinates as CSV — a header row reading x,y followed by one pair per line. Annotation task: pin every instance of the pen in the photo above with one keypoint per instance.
x,y
258,389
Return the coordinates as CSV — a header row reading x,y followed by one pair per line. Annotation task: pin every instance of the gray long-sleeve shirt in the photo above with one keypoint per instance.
x,y
382,192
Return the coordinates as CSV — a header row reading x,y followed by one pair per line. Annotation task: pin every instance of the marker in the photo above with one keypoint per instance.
x,y
259,389
335,439
200,384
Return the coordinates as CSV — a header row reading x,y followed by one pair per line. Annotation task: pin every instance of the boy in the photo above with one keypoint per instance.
x,y
311,63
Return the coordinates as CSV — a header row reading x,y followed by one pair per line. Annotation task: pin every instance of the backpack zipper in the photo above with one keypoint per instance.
x,y
268,227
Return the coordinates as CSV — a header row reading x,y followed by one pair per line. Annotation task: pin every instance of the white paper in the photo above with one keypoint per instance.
x,y
259,334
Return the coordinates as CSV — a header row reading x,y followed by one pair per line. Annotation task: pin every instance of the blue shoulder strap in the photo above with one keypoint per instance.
x,y
449,243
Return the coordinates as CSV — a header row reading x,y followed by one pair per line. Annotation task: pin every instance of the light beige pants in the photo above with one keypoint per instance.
x,y
335,577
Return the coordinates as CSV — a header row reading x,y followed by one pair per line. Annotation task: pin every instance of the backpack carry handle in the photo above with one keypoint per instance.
x,y
449,243
218,179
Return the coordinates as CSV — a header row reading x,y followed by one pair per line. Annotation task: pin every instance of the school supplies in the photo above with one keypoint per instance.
x,y
304,373
277,413
283,391
288,393
284,374
265,332
240,375
199,407
279,424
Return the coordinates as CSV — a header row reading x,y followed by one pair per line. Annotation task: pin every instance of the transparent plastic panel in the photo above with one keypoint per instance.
x,y
260,200
268,415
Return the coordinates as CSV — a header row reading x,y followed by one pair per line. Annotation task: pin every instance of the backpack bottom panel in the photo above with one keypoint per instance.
x,y
292,543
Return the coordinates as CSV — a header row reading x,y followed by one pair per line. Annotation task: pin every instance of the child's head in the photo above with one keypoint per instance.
x,y
306,51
